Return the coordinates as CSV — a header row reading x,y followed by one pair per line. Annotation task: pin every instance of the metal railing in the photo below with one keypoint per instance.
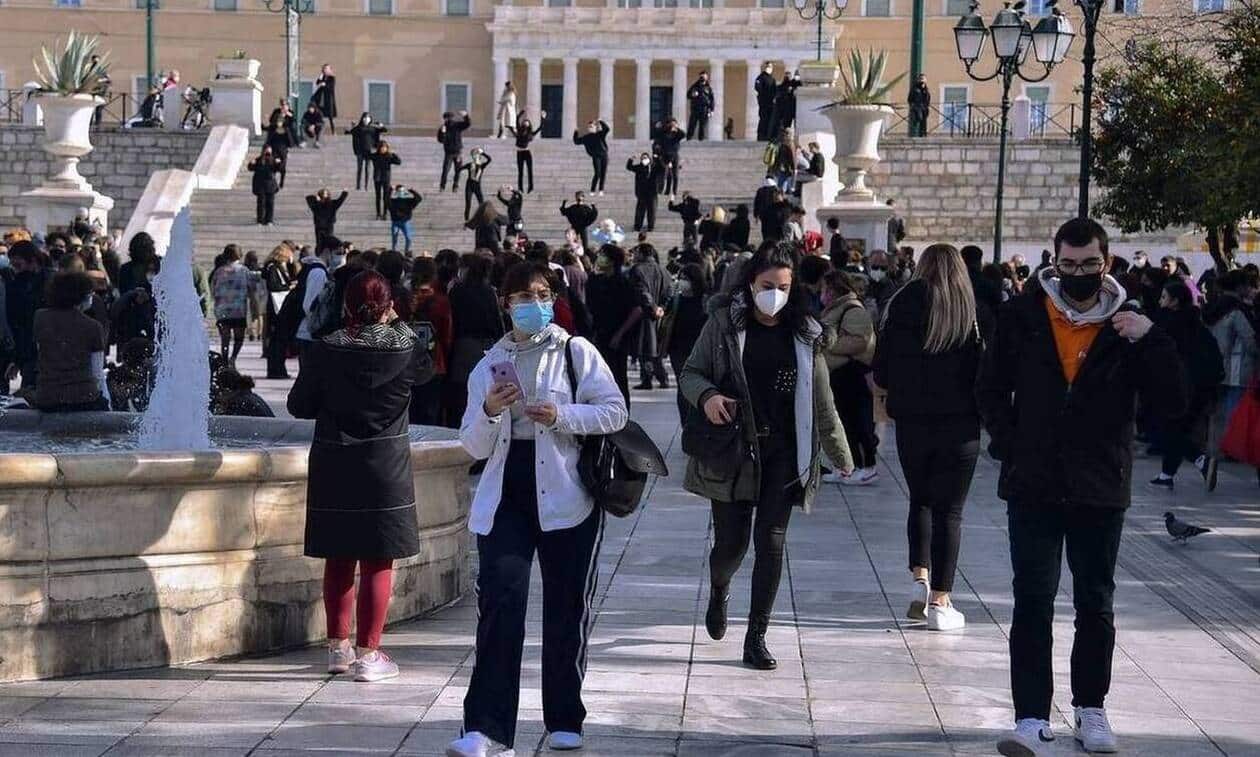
x,y
118,108
982,120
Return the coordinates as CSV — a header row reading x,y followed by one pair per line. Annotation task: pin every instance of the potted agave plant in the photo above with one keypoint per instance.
x,y
70,77
235,64
857,119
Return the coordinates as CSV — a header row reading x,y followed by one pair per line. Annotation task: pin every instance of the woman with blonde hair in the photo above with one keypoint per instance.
x,y
505,117
927,357
279,276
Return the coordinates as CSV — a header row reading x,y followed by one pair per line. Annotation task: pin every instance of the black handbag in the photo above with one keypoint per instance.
x,y
614,467
719,448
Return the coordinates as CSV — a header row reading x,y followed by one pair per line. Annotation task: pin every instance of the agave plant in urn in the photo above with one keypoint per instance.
x,y
857,119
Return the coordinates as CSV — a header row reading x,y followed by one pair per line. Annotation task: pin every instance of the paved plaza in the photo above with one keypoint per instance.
x,y
855,678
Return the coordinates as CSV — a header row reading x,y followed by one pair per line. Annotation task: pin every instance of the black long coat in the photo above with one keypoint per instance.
x,y
264,181
360,496
324,212
651,285
325,97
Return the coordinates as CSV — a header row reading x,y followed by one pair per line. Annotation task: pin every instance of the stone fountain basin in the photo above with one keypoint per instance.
x,y
135,558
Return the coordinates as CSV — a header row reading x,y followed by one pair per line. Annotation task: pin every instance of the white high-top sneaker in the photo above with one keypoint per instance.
x,y
1031,738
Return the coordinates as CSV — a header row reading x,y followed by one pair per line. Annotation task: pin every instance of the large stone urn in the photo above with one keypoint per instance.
x,y
67,123
236,68
237,94
857,129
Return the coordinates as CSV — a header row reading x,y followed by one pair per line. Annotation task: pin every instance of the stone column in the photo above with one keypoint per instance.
x,y
568,121
606,90
717,80
500,79
642,98
680,92
533,88
751,115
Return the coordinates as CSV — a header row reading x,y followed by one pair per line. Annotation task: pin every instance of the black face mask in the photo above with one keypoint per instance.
x,y
1081,287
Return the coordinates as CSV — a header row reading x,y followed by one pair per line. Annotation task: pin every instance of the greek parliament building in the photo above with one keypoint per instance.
x,y
626,61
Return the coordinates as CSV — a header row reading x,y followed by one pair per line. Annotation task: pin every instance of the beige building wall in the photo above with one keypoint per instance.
x,y
419,49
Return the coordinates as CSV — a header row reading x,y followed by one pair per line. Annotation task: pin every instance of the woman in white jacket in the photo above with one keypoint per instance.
x,y
530,499
505,116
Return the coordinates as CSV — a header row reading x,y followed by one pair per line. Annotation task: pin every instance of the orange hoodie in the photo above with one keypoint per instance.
x,y
1072,341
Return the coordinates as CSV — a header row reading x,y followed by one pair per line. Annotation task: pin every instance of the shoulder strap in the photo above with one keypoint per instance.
x,y
568,367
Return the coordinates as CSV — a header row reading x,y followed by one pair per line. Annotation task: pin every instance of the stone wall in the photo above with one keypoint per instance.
x,y
119,166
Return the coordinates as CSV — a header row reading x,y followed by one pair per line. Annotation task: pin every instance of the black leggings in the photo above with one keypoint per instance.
x,y
856,406
361,172
231,333
472,187
382,199
938,458
734,523
524,159
265,207
599,166
670,185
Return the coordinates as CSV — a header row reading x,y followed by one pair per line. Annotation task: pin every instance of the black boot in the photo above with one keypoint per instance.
x,y
715,618
755,653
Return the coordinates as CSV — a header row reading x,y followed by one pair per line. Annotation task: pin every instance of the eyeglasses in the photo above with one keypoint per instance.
x,y
541,297
1073,268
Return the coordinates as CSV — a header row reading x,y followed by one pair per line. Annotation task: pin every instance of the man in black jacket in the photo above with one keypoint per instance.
x,y
324,212
451,135
667,139
920,101
700,98
402,203
580,215
1057,391
765,87
364,137
688,209
644,192
595,140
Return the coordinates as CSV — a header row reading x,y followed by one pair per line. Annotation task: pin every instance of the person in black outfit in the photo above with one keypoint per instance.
x,y
652,287
383,162
313,124
265,167
737,229
524,133
667,139
278,276
1060,417
920,101
487,226
477,318
24,294
784,104
775,216
687,309
580,215
610,295
644,192
700,101
688,209
324,212
930,330
476,167
451,135
365,136
402,203
988,295
513,204
595,140
765,88
324,96
280,130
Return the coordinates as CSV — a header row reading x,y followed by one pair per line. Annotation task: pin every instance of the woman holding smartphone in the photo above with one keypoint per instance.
x,y
758,362
523,418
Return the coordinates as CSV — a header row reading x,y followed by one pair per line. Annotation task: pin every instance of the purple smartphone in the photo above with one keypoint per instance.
x,y
505,373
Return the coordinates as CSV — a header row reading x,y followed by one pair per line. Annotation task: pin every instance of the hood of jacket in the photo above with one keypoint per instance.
x,y
731,308
375,355
1110,298
551,335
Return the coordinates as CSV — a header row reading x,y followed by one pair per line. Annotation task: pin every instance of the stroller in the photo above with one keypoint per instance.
x,y
197,108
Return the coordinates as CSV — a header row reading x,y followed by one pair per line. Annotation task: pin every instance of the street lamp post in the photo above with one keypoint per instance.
x,y
148,44
1090,11
293,11
822,10
1013,37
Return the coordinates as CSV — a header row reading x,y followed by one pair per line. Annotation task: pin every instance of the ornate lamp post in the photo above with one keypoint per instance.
x,y
149,5
822,10
1090,10
1012,38
293,11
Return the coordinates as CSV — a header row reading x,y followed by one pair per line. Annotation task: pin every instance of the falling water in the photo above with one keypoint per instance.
x,y
179,416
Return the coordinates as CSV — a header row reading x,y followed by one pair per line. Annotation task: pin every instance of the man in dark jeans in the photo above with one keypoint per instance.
x,y
1057,392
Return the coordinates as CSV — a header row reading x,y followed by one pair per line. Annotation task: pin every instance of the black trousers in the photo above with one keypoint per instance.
x,y
524,160
1175,440
652,365
382,199
265,209
426,403
1039,533
320,236
697,125
362,164
765,116
277,352
599,170
856,406
765,521
472,188
645,213
619,363
671,176
938,459
918,122
449,161
569,563
690,233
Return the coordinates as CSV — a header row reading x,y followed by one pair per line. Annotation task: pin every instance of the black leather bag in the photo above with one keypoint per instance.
x,y
614,468
720,449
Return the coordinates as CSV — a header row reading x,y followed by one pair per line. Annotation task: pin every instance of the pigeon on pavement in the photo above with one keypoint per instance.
x,y
1180,530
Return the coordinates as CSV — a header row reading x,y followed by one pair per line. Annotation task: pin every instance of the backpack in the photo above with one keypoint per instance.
x,y
291,313
770,155
324,316
426,348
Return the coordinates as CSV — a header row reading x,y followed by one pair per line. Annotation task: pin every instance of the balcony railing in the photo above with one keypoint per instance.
x,y
981,120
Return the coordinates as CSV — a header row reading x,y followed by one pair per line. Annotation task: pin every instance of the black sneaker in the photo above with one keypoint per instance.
x,y
1162,483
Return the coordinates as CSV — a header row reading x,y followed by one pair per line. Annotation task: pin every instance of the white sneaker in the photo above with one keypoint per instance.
x,y
919,600
1031,738
477,744
861,477
340,656
564,741
834,477
601,193
374,666
944,618
1093,730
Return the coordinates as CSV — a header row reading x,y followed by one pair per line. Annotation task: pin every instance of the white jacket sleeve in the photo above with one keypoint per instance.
x,y
478,432
97,361
600,408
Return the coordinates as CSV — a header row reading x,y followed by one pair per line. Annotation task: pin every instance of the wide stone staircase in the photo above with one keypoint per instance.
x,y
724,173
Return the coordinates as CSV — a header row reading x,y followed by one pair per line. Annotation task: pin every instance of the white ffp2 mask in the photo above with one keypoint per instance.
x,y
770,301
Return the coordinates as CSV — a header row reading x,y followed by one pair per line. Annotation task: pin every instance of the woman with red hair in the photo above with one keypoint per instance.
x,y
360,498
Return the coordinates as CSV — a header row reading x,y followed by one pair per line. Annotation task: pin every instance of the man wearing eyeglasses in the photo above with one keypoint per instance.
x,y
1057,392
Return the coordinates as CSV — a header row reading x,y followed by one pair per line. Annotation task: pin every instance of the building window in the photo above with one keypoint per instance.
x,y
144,4
954,110
306,87
1037,8
456,96
69,3
559,3
139,91
1127,7
1038,102
956,8
378,100
629,3
457,7
772,3
225,5
1209,6
380,7
877,7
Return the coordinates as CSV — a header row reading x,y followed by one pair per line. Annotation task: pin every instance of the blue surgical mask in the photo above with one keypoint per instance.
x,y
532,317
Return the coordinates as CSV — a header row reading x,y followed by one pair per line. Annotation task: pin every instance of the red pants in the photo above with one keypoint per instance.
x,y
376,579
